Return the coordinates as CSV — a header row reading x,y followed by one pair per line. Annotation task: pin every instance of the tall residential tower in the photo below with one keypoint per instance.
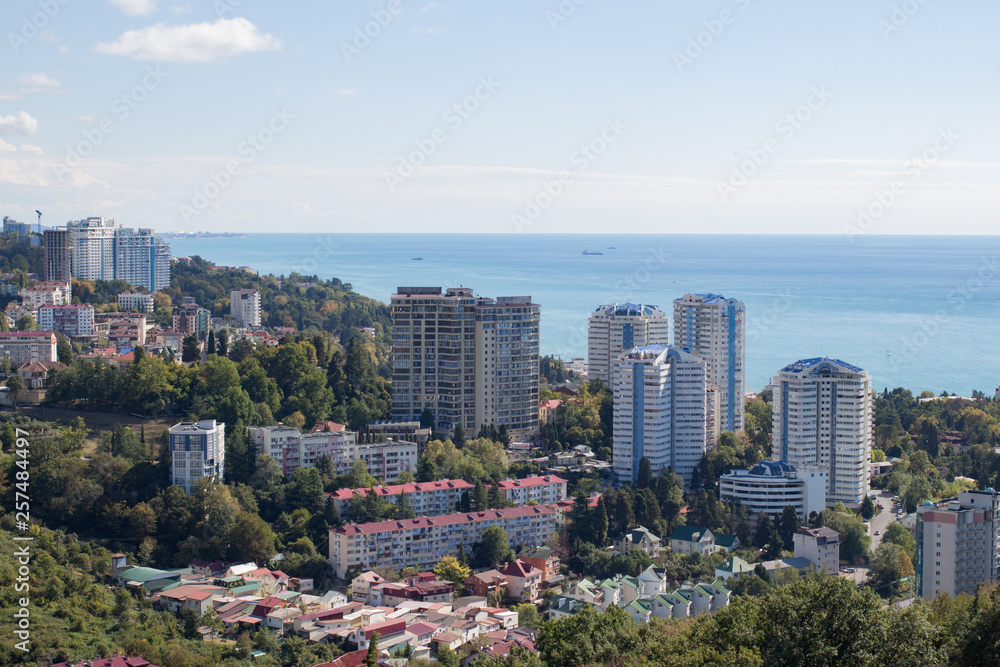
x,y
659,411
823,417
617,328
713,326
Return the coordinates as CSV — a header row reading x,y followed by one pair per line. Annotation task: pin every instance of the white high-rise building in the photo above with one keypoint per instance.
x,y
93,248
958,543
244,306
659,411
616,328
142,258
197,450
714,327
823,416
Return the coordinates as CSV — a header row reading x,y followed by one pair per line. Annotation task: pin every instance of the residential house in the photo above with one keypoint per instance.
x,y
523,580
692,539
638,538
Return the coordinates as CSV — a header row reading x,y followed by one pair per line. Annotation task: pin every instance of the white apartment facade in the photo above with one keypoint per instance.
x,y
46,294
93,248
74,320
425,498
423,542
141,301
293,449
823,411
659,411
617,328
714,327
142,258
197,451
820,546
244,306
770,486
544,490
958,544
23,347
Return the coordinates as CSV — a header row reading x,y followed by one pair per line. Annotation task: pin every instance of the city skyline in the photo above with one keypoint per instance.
x,y
509,117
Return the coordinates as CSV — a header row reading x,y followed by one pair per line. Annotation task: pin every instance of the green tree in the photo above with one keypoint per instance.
x,y
15,385
450,569
371,659
210,347
897,533
788,525
447,658
8,437
599,524
592,638
527,616
493,549
27,323
190,349
645,476
242,349
888,570
868,509
222,346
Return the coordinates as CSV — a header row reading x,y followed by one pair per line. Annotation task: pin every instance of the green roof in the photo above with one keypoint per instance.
x,y
736,565
687,533
144,574
535,552
246,588
727,541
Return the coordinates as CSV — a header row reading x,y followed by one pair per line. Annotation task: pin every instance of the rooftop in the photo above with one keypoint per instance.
x,y
396,489
821,365
446,520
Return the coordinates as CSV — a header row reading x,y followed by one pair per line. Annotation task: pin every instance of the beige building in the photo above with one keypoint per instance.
x,y
958,544
46,294
24,347
820,546
244,306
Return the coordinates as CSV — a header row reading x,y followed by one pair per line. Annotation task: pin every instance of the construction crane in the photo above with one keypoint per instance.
x,y
39,220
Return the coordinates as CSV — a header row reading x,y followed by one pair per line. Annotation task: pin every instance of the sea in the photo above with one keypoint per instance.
x,y
920,312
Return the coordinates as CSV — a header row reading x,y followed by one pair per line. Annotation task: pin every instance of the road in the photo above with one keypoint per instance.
x,y
878,524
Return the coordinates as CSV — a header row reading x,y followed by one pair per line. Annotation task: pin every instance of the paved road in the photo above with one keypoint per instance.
x,y
878,523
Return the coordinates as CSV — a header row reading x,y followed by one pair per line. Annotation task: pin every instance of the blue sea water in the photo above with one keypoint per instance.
x,y
917,312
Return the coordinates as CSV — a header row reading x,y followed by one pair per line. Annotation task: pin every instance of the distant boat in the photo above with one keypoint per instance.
x,y
592,252
418,259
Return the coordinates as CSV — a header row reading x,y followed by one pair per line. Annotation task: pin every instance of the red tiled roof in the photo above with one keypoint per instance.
x,y
396,489
384,628
529,481
446,520
520,569
352,659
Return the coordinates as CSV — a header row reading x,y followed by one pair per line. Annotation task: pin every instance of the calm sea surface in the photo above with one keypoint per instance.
x,y
917,312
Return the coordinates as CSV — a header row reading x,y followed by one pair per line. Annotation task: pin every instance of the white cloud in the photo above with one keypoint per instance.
x,y
8,95
345,91
63,50
6,148
21,124
32,148
432,7
85,119
430,31
40,80
136,7
192,43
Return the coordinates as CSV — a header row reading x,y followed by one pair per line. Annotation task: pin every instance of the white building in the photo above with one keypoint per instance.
x,y
770,486
140,300
23,347
425,541
142,258
823,417
46,294
197,450
617,328
244,306
958,543
714,327
93,248
659,411
820,546
73,321
544,490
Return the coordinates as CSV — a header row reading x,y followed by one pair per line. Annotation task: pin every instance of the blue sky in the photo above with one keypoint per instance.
x,y
855,117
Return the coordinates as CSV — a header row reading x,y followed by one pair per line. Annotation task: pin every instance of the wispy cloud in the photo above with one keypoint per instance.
x,y
192,43
40,80
436,30
136,7
345,91
432,7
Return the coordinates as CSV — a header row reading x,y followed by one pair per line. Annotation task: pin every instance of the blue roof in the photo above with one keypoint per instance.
x,y
631,308
772,469
706,298
824,363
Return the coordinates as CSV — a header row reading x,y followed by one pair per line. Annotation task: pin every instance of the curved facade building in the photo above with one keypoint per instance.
x,y
770,486
613,329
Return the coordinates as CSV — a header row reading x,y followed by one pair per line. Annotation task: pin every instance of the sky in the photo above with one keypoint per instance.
x,y
533,116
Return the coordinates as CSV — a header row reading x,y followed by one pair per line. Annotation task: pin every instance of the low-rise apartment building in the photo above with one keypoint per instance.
x,y
424,541
139,300
425,498
820,546
23,347
46,294
771,486
543,490
73,321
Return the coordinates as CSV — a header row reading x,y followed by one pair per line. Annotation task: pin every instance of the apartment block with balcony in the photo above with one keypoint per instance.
x,y
770,486
425,498
617,328
423,542
46,294
544,490
244,307
74,321
23,347
197,451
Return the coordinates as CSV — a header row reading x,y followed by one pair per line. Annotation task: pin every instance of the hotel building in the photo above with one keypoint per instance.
x,y
617,328
197,450
958,544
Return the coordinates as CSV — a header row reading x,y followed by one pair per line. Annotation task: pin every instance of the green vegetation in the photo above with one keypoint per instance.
x,y
582,420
